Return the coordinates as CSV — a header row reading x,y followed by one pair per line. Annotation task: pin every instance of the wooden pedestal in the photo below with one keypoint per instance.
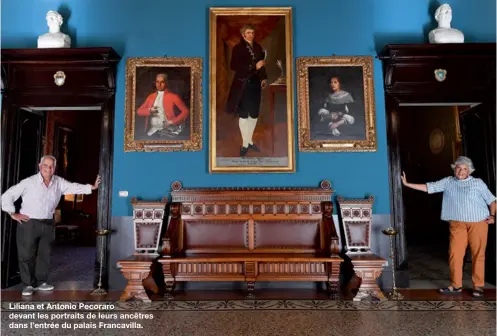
x,y
136,269
368,268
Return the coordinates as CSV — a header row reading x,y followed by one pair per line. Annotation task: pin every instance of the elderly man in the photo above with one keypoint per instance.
x,y
469,207
40,195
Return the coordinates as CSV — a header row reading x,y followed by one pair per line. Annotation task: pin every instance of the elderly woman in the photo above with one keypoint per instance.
x,y
469,207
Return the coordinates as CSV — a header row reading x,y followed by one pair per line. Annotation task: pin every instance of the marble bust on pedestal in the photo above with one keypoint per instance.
x,y
444,33
54,38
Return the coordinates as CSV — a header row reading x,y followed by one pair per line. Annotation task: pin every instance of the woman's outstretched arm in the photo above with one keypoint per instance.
x,y
420,187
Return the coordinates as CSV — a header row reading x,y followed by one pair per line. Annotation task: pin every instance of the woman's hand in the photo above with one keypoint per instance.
x,y
420,187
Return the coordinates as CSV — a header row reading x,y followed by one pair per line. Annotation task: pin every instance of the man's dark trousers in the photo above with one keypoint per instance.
x,y
34,245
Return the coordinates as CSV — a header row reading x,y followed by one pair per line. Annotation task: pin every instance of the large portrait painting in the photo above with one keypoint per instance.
x,y
163,109
251,91
336,104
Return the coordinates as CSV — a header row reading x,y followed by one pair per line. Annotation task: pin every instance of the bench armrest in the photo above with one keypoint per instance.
x,y
331,233
171,237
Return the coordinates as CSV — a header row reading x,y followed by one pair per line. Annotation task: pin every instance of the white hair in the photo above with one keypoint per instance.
x,y
163,75
463,160
441,9
49,157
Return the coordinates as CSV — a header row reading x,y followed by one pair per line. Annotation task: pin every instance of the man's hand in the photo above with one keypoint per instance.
x,y
336,124
491,219
20,218
264,83
260,64
168,123
97,183
403,178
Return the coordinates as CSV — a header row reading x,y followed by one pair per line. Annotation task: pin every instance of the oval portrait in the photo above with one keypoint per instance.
x,y
437,141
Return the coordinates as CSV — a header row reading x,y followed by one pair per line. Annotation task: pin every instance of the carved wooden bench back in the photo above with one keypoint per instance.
x,y
213,220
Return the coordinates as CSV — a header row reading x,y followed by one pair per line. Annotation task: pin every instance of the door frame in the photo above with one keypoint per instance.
x,y
392,104
9,168
97,89
412,75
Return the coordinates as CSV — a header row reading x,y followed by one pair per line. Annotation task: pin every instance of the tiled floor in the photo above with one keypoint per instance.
x,y
288,323
209,295
71,268
270,316
291,312
429,268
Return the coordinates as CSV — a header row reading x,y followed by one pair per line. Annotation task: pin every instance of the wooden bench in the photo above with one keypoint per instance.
x,y
251,235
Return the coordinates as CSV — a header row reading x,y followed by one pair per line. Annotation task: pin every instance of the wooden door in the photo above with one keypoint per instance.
x,y
22,150
478,133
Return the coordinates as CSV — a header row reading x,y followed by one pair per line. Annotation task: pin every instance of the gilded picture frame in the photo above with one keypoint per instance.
x,y
336,104
163,107
251,102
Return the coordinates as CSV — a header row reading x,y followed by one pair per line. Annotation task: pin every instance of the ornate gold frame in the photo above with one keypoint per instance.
x,y
308,145
196,106
214,13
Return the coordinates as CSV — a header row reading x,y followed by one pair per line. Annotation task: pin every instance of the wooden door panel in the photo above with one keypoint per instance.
x,y
21,156
478,131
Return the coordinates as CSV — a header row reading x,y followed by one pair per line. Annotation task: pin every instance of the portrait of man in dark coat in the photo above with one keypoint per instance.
x,y
251,95
244,98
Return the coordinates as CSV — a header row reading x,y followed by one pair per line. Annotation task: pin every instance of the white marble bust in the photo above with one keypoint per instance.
x,y
54,38
444,33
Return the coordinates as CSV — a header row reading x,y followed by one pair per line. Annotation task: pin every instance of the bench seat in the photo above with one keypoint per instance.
x,y
251,268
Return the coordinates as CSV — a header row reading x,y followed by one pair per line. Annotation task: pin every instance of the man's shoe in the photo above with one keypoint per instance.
x,y
243,151
44,287
28,291
254,147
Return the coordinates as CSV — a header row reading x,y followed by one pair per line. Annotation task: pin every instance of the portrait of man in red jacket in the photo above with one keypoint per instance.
x,y
165,114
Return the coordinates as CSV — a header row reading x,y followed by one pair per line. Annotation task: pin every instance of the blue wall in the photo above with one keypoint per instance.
x,y
155,28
